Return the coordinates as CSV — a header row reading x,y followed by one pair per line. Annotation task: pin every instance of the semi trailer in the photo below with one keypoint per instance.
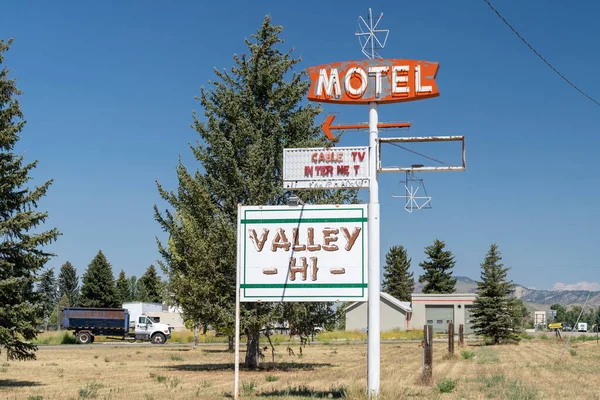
x,y
86,323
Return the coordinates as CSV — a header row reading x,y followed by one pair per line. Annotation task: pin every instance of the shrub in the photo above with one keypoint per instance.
x,y
271,378
158,378
90,390
248,387
467,355
573,352
446,385
176,358
544,337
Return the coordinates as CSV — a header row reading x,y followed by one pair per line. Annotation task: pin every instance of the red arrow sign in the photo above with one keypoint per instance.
x,y
327,127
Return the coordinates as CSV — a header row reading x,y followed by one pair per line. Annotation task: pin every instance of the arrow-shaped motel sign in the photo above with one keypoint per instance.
x,y
327,127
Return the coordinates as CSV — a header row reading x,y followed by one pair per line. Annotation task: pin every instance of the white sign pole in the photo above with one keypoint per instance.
x,y
373,340
236,359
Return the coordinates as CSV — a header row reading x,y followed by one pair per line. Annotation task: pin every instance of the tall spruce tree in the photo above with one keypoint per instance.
x,y
497,313
253,111
68,283
133,288
438,269
398,281
153,285
22,242
48,290
122,289
98,289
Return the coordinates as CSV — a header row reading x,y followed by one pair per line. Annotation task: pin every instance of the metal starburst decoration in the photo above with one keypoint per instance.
x,y
367,36
414,199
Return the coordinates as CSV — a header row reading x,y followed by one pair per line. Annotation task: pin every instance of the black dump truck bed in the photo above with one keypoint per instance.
x,y
99,321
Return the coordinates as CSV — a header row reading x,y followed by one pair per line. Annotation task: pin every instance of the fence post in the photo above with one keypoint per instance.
x,y
461,335
451,337
427,354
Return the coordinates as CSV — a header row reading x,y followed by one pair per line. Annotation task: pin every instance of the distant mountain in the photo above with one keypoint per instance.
x,y
540,297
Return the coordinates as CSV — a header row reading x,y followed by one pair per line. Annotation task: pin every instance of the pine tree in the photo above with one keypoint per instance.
x,y
153,285
397,280
253,111
496,311
98,289
122,289
48,290
141,292
22,241
438,270
133,289
68,283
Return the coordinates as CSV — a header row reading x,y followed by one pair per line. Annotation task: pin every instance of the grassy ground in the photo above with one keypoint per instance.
x,y
65,337
531,370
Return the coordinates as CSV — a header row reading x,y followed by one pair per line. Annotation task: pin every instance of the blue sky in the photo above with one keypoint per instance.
x,y
108,93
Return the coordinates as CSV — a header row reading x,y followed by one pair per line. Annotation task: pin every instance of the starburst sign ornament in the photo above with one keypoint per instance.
x,y
413,201
367,36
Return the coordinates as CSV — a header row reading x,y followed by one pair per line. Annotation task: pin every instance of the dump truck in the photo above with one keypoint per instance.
x,y
86,323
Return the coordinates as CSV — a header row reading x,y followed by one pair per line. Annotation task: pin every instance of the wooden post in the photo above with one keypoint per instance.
x,y
427,354
451,337
461,335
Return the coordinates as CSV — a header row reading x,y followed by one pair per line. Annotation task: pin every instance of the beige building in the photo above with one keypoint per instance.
x,y
394,314
439,309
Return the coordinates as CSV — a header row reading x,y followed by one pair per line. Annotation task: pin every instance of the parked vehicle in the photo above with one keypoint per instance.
x,y
582,327
567,328
86,323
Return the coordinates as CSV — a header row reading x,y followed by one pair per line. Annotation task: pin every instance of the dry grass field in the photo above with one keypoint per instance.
x,y
531,370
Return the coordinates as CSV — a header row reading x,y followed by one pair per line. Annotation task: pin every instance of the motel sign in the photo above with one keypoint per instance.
x,y
379,80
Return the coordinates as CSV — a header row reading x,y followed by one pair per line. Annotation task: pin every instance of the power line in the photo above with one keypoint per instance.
x,y
539,55
420,154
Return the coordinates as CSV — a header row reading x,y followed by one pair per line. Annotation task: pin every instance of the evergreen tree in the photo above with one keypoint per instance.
x,y
141,291
68,283
153,285
48,290
438,270
496,311
253,111
397,280
22,241
98,289
133,289
561,312
122,289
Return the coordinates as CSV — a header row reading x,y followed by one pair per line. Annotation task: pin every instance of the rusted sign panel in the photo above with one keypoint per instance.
x,y
382,80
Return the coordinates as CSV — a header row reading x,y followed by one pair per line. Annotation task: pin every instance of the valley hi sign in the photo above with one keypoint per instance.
x,y
308,253
326,168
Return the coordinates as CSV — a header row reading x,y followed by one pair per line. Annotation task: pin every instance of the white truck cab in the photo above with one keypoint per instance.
x,y
582,327
147,329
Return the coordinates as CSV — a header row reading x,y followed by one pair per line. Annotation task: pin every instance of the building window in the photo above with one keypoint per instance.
x,y
440,321
430,321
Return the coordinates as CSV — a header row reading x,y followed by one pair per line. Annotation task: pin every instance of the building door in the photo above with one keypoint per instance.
x,y
439,316
468,319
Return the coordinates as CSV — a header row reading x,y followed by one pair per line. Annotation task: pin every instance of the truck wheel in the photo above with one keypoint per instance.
x,y
84,338
159,338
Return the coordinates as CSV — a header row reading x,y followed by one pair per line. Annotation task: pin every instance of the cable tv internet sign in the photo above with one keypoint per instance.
x,y
304,253
326,168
